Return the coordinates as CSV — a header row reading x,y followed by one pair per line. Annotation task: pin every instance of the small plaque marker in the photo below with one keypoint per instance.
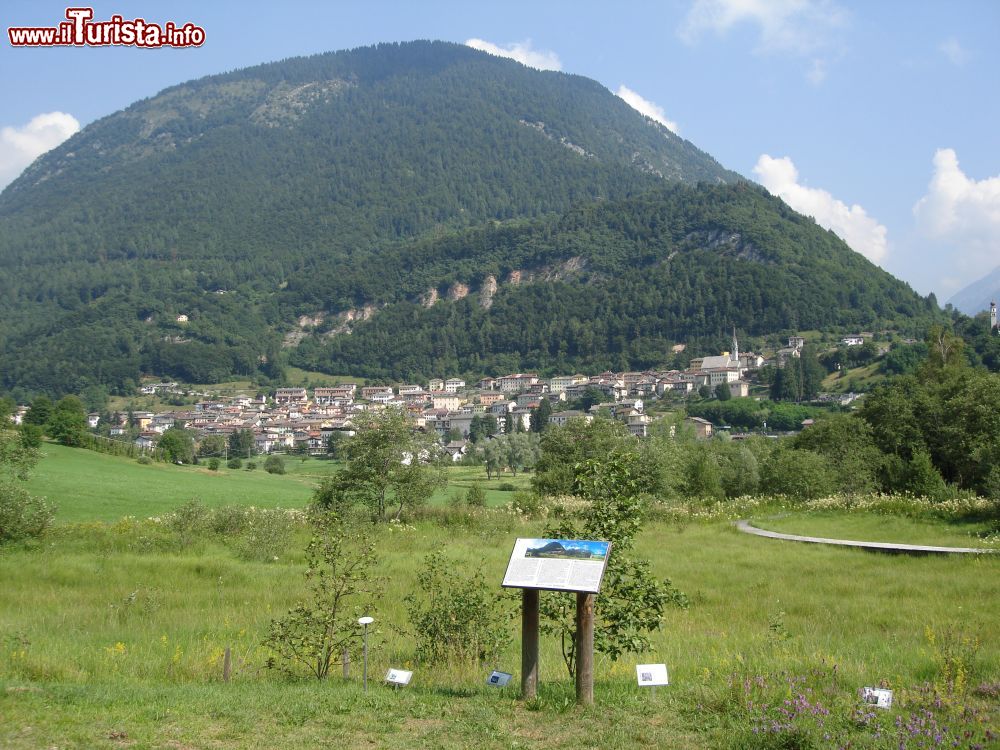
x,y
498,679
398,677
878,697
651,675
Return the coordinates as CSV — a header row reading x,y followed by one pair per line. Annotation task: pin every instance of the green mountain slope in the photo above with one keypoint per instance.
x,y
228,223
614,285
280,186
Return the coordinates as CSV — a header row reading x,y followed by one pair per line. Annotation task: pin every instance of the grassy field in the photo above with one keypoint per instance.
x,y
92,486
103,636
112,635
295,376
855,379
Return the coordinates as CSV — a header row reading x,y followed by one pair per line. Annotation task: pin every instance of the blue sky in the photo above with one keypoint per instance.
x,y
878,118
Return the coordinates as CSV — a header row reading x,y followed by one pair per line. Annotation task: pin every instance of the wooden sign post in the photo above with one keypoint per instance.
x,y
529,644
571,565
584,649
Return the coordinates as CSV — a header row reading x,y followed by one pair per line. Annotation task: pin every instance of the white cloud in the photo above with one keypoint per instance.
x,y
646,107
21,146
522,52
817,72
958,220
796,26
954,51
804,28
851,223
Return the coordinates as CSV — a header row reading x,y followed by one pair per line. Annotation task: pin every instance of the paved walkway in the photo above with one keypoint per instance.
x,y
899,549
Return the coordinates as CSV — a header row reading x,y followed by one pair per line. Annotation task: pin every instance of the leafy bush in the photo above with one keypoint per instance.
x,y
475,497
251,465
144,460
265,535
506,487
21,514
234,463
456,618
213,464
526,503
228,520
190,521
340,587
274,465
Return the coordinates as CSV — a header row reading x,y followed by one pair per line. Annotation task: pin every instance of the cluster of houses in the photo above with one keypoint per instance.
x,y
295,419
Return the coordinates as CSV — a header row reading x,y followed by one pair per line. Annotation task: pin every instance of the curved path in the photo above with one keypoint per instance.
x,y
905,549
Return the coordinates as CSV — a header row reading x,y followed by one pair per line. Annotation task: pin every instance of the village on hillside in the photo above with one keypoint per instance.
x,y
295,419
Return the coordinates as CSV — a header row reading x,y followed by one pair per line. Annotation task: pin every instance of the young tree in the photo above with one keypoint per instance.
x,y
177,445
386,460
68,421
456,616
39,411
540,416
632,600
482,426
493,457
21,514
340,586
333,443
241,444
212,446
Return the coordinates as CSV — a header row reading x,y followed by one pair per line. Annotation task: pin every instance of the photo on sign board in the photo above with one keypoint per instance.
x,y
878,697
651,675
575,549
557,564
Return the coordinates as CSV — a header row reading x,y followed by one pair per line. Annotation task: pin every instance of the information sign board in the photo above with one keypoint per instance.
x,y
498,679
878,697
557,565
651,675
398,677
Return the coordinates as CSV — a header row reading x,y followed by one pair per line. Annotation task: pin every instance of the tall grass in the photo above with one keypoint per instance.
x,y
125,625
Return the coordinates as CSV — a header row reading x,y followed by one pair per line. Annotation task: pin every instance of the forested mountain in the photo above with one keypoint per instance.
x,y
204,232
614,285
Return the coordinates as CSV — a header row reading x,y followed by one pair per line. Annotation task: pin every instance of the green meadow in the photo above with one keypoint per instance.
x,y
112,632
88,486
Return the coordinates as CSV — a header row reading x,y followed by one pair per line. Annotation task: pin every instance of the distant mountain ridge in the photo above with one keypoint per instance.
x,y
977,296
313,207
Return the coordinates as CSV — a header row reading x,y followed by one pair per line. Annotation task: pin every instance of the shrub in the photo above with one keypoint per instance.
x,y
251,465
506,487
22,515
340,586
274,465
526,503
144,460
229,520
456,617
213,464
265,535
234,463
189,521
475,497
